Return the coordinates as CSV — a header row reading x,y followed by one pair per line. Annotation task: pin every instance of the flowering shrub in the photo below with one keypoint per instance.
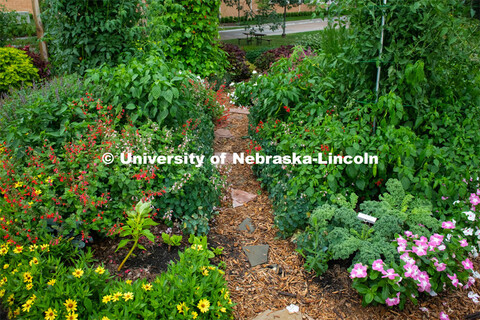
x,y
36,283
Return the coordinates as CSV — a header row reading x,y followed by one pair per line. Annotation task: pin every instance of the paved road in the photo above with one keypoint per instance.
x,y
291,27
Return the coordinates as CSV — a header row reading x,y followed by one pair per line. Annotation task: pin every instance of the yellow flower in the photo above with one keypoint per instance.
x,y
197,247
3,251
72,316
107,299
117,296
38,192
3,281
70,305
18,184
194,315
203,305
29,286
105,318
14,271
27,305
182,308
223,310
16,312
128,282
11,299
128,296
33,261
18,249
51,282
33,247
27,277
33,297
50,314
30,203
100,270
147,287
78,273
211,268
45,247
2,293
205,272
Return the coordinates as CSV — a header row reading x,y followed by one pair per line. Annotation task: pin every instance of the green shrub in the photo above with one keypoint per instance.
x,y
16,69
87,34
28,116
330,40
7,20
252,55
37,281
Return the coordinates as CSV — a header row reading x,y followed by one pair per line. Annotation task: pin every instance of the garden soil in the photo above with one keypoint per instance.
x,y
283,280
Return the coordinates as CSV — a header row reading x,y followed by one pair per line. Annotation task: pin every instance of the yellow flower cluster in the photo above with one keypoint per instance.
x,y
116,296
28,304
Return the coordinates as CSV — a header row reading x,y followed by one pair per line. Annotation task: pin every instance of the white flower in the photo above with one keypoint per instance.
x,y
232,84
468,231
293,308
455,202
254,72
470,215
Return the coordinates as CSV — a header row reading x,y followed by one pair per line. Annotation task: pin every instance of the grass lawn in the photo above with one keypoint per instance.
x,y
227,26
276,41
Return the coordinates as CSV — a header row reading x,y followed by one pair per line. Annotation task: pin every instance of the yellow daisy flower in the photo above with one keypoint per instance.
x,y
107,299
117,296
16,312
29,286
50,314
70,305
72,316
51,282
3,251
18,249
78,273
105,318
27,305
2,293
6,265
182,308
27,277
147,287
194,315
128,296
128,282
33,247
33,261
203,305
100,270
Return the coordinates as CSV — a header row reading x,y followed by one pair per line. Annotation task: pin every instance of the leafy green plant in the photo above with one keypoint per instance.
x,y
7,20
138,225
16,69
171,240
191,33
86,35
335,232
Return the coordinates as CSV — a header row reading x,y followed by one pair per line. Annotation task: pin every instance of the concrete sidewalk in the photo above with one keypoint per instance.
x,y
291,27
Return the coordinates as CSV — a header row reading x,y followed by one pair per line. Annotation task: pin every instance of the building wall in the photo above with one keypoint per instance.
x,y
18,5
226,11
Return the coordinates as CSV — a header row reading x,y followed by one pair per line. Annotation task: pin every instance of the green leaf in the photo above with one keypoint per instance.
x,y
123,243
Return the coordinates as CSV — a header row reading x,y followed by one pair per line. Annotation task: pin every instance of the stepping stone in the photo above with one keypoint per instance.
x,y
278,315
228,157
238,110
247,225
223,133
236,116
241,197
256,254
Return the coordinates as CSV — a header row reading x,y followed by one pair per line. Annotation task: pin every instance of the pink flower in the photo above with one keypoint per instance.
x,y
408,233
411,270
393,301
420,251
474,199
358,271
440,266
377,265
406,257
390,274
448,225
463,243
454,279
444,316
467,264
435,240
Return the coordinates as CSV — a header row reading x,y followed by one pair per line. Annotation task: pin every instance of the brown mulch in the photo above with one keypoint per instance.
x,y
283,280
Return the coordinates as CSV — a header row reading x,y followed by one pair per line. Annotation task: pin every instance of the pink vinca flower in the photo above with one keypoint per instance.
x,y
435,240
474,199
440,266
420,251
393,301
454,279
377,265
467,264
411,270
358,271
448,225
463,243
390,274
